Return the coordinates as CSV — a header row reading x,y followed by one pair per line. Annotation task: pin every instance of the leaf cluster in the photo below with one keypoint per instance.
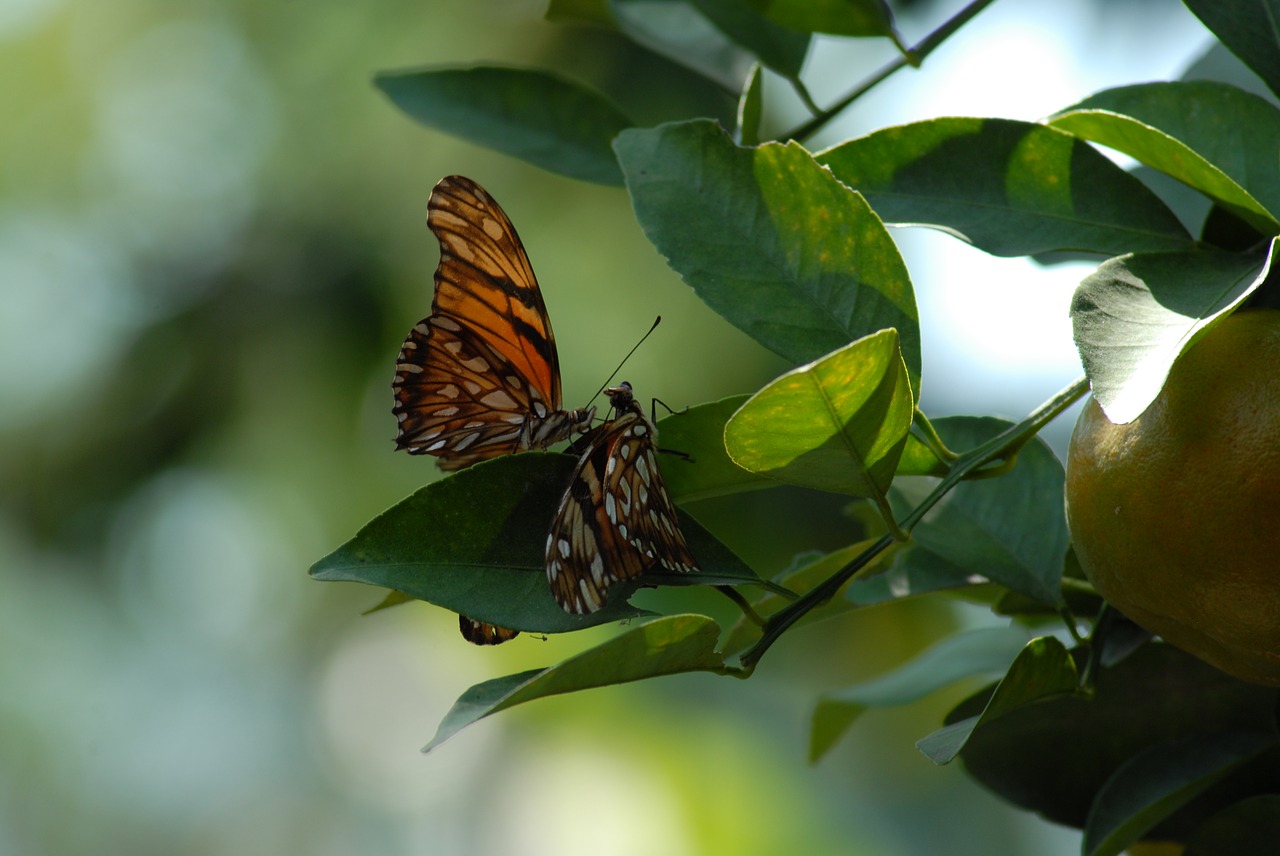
x,y
1088,722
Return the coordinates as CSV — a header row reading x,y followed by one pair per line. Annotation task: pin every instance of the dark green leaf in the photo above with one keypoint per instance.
x,y
974,652
1054,756
1249,826
1223,230
699,433
770,240
580,11
1157,781
919,460
1043,669
1250,28
678,31
533,115
393,598
1009,188
1211,136
837,17
1135,315
1010,529
915,572
663,646
750,109
474,543
780,48
838,424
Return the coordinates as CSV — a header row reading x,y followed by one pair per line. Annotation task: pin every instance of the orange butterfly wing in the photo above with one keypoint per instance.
x,y
616,520
479,377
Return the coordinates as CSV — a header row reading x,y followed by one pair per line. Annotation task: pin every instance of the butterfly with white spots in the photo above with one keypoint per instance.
x,y
616,520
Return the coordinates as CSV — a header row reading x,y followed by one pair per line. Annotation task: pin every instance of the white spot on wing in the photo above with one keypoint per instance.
x,y
498,400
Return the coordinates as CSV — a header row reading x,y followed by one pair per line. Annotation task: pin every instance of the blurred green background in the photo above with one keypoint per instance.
x,y
212,242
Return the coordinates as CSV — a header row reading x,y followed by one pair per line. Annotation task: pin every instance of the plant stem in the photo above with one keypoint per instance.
x,y
913,57
1003,445
931,439
742,604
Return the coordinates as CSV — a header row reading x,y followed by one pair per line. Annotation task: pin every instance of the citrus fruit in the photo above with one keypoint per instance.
x,y
1175,516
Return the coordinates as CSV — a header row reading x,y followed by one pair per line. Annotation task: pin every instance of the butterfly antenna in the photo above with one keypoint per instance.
x,y
614,373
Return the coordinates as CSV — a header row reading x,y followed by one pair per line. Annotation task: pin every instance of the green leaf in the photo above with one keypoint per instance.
x,y
750,109
1157,781
580,11
1009,188
918,459
1212,136
973,652
664,646
538,117
915,571
710,472
393,598
1249,826
1010,529
1044,668
676,30
1133,316
837,17
838,424
1053,757
474,543
780,48
1250,28
769,239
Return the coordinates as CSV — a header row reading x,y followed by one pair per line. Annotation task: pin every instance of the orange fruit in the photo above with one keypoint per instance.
x,y
1175,517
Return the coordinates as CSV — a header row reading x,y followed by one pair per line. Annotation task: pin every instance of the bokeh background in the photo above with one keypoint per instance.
x,y
212,242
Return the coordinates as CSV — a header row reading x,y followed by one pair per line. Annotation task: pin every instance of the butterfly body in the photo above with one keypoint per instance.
x,y
616,520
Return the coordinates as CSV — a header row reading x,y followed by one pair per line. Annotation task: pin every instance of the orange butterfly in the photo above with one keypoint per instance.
x,y
479,377
616,520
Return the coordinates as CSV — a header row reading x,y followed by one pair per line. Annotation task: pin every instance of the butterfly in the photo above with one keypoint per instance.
x,y
479,377
480,633
616,520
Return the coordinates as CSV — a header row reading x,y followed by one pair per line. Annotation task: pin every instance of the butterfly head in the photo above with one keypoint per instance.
x,y
621,397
